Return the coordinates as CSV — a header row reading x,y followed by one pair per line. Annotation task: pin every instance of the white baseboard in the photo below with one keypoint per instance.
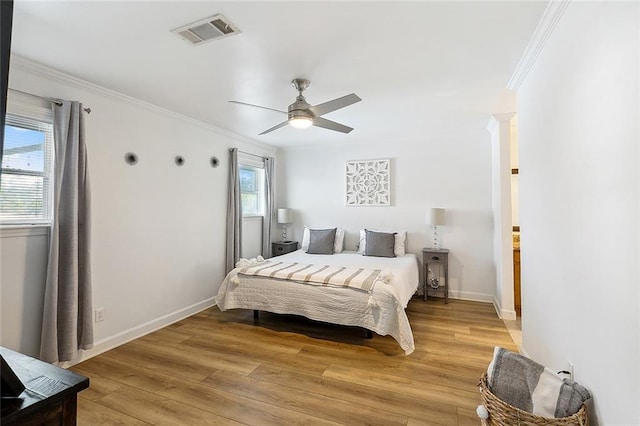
x,y
463,295
140,330
505,314
469,295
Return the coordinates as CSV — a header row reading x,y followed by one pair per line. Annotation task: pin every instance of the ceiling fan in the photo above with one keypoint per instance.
x,y
302,115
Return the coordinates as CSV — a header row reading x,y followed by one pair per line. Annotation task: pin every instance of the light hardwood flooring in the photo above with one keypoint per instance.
x,y
219,368
515,330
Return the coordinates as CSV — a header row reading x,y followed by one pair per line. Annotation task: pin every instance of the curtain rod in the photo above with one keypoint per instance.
x,y
254,155
52,100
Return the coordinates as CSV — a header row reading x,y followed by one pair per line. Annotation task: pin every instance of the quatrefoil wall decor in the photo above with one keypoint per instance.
x,y
368,183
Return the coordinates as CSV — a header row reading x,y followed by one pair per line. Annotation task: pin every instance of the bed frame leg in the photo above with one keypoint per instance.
x,y
369,334
256,315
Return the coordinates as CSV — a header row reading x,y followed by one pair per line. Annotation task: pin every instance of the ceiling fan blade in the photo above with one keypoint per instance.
x,y
276,127
331,125
257,106
322,109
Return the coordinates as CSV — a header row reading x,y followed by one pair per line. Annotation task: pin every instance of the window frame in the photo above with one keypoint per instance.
x,y
259,190
255,164
33,117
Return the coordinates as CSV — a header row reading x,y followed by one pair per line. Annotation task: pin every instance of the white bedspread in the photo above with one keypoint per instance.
x,y
382,310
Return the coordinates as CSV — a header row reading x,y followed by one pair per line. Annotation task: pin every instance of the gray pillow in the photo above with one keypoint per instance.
x,y
379,244
321,241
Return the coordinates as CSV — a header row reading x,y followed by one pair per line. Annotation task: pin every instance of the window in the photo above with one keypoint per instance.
x,y
27,171
252,190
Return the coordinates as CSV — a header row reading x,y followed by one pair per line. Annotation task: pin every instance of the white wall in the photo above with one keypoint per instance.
x,y
579,204
23,260
449,172
158,229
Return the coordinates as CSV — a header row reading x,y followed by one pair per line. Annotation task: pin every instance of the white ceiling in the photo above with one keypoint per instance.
x,y
422,68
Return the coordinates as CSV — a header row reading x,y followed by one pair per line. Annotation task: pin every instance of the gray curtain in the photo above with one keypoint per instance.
x,y
67,324
234,213
269,211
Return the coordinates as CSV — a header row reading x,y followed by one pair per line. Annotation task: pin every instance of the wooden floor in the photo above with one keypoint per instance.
x,y
219,368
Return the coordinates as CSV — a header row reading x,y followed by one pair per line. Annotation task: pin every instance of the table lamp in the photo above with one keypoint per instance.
x,y
285,216
435,219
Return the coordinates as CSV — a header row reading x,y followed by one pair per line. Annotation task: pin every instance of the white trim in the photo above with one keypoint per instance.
x,y
548,22
140,330
461,295
33,67
505,314
492,123
496,119
472,296
496,306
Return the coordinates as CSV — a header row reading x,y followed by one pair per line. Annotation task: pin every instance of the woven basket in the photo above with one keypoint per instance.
x,y
503,414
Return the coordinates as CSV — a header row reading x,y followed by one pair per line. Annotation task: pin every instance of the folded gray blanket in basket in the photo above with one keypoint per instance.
x,y
525,384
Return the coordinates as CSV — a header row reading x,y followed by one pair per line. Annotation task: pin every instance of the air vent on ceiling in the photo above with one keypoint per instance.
x,y
212,28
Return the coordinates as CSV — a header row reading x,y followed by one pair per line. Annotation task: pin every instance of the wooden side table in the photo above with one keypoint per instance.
x,y
283,247
50,397
431,256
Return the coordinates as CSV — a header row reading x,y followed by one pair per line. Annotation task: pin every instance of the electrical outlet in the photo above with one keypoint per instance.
x,y
99,315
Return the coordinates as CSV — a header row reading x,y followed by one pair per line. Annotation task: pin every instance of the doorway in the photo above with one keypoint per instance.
x,y
515,216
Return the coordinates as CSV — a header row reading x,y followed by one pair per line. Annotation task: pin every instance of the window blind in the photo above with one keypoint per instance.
x,y
27,166
250,160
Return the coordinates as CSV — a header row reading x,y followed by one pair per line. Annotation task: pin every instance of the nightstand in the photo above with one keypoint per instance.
x,y
432,257
283,247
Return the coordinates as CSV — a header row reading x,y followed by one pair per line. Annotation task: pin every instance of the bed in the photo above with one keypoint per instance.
x,y
380,309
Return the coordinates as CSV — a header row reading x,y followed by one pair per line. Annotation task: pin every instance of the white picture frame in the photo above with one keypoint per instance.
x,y
368,182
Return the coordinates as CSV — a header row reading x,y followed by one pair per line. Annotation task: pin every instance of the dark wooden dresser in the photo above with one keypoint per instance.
x,y
51,393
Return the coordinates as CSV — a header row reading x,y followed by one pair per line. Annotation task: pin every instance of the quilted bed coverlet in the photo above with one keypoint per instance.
x,y
382,310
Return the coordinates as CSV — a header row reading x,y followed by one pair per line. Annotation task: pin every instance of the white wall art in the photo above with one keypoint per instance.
x,y
368,183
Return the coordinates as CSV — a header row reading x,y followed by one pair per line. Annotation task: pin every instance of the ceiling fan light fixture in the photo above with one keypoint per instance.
x,y
302,115
301,122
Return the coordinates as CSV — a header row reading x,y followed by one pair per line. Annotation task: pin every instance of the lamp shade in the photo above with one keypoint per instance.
x,y
285,215
436,217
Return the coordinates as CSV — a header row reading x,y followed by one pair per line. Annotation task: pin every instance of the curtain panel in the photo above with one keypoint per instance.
x,y
234,213
67,324
269,211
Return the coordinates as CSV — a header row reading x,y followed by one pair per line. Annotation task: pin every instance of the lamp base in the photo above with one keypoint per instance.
x,y
436,240
434,283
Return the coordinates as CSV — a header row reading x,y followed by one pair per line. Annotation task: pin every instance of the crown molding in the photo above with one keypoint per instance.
x,y
550,18
548,22
36,68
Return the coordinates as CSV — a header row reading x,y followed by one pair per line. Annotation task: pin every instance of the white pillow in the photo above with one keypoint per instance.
x,y
398,248
338,244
